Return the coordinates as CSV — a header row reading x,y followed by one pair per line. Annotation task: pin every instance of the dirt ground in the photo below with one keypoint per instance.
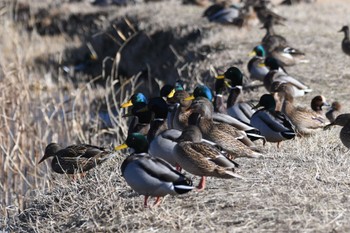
x,y
301,187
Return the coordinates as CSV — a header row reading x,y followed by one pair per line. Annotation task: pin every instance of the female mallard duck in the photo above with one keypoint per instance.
x,y
203,91
212,132
344,121
75,158
200,158
305,120
288,56
276,75
345,44
271,40
274,125
151,176
236,106
333,111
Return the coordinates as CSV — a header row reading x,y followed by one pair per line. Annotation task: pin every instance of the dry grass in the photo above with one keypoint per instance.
x,y
302,187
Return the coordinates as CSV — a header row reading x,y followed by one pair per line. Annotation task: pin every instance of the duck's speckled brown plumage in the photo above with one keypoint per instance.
x,y
211,132
305,120
75,158
200,158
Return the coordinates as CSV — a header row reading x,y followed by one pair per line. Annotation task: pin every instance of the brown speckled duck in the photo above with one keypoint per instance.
x,y
306,121
75,158
200,158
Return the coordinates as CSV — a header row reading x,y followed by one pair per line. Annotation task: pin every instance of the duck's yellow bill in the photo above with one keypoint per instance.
x,y
261,65
191,97
227,84
171,94
220,76
252,54
120,147
126,104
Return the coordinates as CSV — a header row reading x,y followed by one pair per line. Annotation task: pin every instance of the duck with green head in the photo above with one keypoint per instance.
x,y
151,176
237,107
276,75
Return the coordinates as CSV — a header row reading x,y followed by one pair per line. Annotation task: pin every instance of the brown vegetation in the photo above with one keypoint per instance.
x,y
303,186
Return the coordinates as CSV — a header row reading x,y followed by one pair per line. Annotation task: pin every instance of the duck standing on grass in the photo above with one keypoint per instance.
x,y
148,175
274,125
75,158
345,44
306,121
200,158
344,121
333,111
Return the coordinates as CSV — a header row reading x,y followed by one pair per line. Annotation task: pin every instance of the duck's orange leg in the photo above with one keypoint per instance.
x,y
201,184
145,201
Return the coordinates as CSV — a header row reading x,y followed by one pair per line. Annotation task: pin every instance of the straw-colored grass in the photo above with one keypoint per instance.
x,y
302,187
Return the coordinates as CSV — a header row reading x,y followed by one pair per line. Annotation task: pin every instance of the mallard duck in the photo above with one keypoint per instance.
x,y
200,158
306,121
265,14
151,176
271,40
205,92
211,131
75,158
333,111
274,125
219,102
224,13
344,121
288,56
256,69
135,98
345,44
276,75
236,106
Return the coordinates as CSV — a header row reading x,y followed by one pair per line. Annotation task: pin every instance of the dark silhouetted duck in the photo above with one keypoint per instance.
x,y
345,44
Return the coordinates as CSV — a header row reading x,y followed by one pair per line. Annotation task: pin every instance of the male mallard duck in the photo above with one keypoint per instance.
x,y
305,120
200,158
141,119
236,106
344,121
151,176
256,70
333,111
276,75
75,158
211,132
274,125
224,13
345,44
